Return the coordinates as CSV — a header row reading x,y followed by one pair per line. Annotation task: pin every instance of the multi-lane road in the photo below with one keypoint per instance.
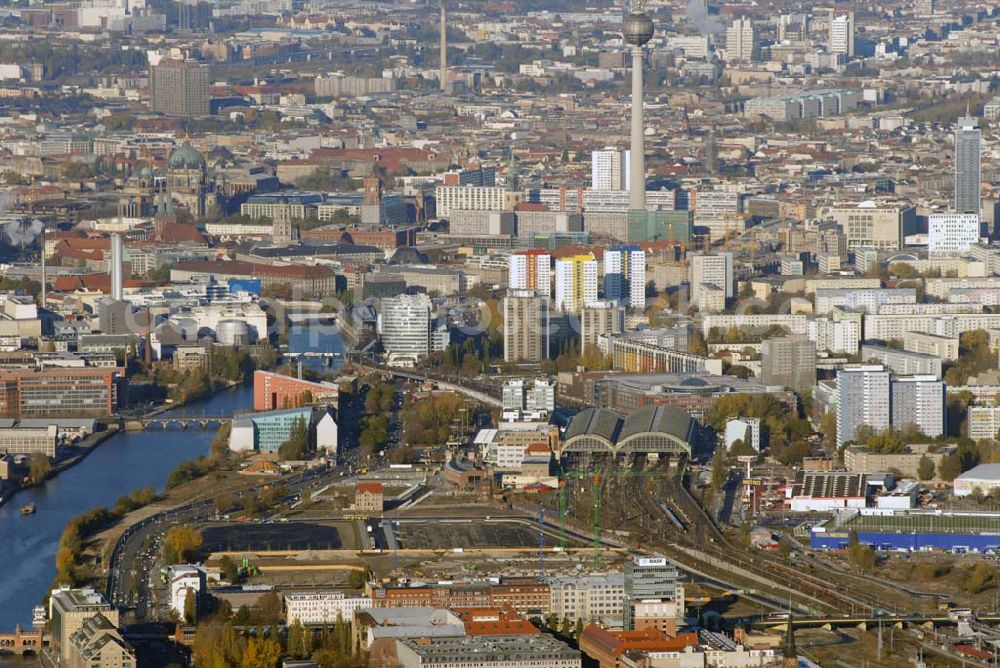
x,y
133,566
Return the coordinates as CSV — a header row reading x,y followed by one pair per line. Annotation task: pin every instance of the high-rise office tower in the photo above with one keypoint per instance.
x,y
525,327
404,327
609,169
789,361
654,594
742,44
714,270
968,165
863,400
576,282
625,276
919,401
842,34
793,27
530,270
924,7
180,88
637,30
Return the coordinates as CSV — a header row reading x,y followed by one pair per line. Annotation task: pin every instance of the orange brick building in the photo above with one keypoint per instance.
x,y
273,391
525,595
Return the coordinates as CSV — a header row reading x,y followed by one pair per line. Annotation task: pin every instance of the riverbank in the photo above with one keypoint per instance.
x,y
123,463
81,450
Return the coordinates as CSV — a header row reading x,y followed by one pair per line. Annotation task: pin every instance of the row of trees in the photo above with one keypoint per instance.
x,y
227,366
380,401
429,422
71,568
219,644
781,426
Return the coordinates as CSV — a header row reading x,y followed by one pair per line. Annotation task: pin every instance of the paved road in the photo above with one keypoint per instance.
x,y
133,567
482,392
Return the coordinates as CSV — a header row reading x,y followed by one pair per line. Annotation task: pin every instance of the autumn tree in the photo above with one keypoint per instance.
x,y
862,556
261,653
181,543
296,640
979,578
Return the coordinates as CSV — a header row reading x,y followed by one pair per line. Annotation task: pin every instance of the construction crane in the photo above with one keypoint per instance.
x,y
599,479
541,541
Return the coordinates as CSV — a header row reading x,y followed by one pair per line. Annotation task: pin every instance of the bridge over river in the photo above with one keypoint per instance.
x,y
177,422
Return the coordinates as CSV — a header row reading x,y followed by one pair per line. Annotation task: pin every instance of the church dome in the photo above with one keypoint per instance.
x,y
186,157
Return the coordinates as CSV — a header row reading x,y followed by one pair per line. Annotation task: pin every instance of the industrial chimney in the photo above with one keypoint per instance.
x,y
117,260
443,76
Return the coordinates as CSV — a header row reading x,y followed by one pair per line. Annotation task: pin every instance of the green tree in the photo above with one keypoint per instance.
x,y
191,607
230,570
887,441
269,608
39,467
925,469
297,445
720,469
358,578
741,449
341,636
950,467
374,433
296,640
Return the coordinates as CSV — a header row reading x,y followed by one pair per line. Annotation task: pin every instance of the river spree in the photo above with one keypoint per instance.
x,y
119,465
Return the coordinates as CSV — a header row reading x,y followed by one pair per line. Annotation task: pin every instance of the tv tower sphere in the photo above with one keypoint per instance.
x,y
638,27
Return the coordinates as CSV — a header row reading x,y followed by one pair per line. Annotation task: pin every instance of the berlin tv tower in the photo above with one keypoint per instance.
x,y
637,30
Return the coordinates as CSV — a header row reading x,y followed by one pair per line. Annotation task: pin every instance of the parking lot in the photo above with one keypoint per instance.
x,y
445,535
278,536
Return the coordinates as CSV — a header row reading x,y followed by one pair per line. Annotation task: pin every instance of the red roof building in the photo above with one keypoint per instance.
x,y
494,622
607,647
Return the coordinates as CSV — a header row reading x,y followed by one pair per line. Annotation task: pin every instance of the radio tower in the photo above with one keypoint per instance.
x,y
443,75
637,30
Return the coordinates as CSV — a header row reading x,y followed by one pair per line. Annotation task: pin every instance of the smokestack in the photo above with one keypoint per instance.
x,y
148,352
43,267
117,259
443,76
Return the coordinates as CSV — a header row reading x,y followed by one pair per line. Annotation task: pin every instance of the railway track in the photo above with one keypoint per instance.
x,y
683,528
